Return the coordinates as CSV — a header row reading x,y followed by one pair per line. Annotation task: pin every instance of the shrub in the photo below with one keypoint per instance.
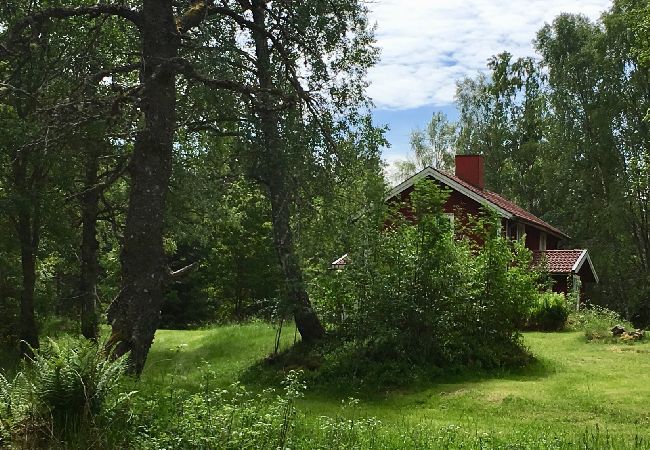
x,y
550,312
416,295
596,322
67,393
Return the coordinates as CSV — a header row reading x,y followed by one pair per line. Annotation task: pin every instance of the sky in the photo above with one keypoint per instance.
x,y
426,45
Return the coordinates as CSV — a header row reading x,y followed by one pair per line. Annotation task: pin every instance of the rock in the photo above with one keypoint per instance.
x,y
618,330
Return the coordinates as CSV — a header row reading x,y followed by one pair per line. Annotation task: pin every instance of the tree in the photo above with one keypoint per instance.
x,y
135,312
503,118
173,43
433,147
34,76
295,142
566,138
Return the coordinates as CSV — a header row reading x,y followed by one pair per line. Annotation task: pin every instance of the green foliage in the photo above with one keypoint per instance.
x,y
233,418
550,312
523,409
565,136
368,433
237,274
502,409
596,322
416,297
66,393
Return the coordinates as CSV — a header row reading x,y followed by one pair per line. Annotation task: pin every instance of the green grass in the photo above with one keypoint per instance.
x,y
179,356
574,386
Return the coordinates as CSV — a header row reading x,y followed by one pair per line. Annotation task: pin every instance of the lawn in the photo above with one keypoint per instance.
x,y
575,387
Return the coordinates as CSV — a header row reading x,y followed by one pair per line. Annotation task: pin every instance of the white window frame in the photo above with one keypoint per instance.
x,y
542,240
521,230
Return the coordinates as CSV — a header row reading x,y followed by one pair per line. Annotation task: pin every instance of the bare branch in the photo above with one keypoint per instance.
x,y
176,274
186,69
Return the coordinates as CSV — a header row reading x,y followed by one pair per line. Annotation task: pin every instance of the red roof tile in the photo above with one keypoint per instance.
x,y
558,261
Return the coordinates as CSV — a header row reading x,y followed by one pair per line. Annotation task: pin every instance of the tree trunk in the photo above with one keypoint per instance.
x,y
304,315
275,177
89,246
28,230
28,245
135,313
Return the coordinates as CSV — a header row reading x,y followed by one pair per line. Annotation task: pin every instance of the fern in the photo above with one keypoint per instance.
x,y
67,387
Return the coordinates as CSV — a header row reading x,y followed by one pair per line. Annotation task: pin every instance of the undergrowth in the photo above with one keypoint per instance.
x,y
596,323
68,395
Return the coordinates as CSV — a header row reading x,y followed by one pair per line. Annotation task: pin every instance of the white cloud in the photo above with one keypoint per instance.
x,y
428,44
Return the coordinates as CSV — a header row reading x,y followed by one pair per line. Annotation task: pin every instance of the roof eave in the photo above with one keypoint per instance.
x,y
555,232
580,262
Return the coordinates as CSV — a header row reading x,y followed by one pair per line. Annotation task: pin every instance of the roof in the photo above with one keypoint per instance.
x,y
504,207
564,261
341,262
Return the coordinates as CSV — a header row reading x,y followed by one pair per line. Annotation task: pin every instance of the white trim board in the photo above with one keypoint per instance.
x,y
584,256
430,171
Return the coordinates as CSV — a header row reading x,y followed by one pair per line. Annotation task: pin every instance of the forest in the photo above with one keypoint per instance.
x,y
176,178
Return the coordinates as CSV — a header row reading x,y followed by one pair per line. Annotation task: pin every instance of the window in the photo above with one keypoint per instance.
x,y
521,230
542,241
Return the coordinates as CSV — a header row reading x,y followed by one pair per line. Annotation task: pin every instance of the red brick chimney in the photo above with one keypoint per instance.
x,y
469,168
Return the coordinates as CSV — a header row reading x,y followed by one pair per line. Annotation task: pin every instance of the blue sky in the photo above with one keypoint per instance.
x,y
403,121
427,45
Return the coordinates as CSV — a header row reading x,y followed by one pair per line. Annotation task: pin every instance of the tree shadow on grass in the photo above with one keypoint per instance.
x,y
242,354
336,387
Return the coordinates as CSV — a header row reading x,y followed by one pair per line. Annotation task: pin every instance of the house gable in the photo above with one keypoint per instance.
x,y
446,180
504,208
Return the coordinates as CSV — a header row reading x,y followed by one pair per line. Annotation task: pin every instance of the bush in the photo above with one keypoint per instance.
x,y
596,322
64,396
416,295
550,312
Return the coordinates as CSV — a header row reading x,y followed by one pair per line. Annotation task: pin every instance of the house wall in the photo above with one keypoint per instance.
x,y
463,207
533,236
533,239
457,204
560,284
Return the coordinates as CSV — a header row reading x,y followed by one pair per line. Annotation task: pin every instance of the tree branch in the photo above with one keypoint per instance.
x,y
176,274
186,69
64,13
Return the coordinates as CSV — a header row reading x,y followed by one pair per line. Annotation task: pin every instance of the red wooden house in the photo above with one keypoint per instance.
x,y
468,196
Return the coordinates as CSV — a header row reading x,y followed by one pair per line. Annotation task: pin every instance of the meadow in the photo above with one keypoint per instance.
x,y
576,393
